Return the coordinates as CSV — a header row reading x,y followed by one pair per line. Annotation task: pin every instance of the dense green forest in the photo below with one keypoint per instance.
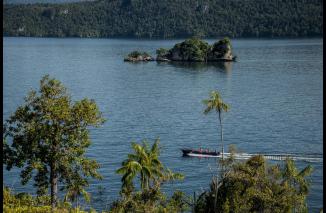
x,y
39,1
166,19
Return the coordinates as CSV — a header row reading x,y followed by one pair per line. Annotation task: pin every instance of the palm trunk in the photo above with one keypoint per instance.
x,y
147,183
142,184
220,118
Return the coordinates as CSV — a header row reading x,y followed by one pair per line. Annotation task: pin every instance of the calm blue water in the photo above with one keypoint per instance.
x,y
274,90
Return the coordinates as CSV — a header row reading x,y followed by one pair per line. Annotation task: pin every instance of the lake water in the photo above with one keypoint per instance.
x,y
274,90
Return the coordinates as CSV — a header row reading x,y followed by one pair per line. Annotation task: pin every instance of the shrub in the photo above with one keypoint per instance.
x,y
255,186
134,54
161,52
24,202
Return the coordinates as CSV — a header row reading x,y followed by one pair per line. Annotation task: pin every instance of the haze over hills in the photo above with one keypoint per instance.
x,y
166,19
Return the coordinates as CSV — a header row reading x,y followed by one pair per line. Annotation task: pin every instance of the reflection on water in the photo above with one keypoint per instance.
x,y
199,66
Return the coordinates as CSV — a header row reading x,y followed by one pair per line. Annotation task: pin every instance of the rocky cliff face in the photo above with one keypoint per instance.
x,y
220,50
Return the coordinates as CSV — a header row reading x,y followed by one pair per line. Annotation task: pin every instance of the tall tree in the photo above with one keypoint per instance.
x,y
48,139
216,103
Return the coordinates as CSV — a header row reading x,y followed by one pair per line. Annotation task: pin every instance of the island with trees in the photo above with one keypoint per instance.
x,y
197,50
192,50
47,138
138,56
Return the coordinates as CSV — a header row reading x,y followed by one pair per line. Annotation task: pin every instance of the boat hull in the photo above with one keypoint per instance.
x,y
197,153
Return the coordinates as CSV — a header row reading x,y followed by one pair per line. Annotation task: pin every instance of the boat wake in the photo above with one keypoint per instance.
x,y
276,156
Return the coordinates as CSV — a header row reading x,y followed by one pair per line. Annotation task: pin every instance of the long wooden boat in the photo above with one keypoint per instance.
x,y
200,153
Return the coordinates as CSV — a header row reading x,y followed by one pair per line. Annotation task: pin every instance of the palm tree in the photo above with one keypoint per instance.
x,y
216,102
144,161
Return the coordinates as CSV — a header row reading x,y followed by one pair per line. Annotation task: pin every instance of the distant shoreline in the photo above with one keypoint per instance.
x,y
165,39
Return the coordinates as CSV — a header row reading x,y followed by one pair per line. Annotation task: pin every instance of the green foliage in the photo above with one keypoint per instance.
x,y
152,201
215,103
161,52
145,163
179,202
255,186
135,54
192,49
39,1
49,138
225,40
23,202
197,50
166,19
138,56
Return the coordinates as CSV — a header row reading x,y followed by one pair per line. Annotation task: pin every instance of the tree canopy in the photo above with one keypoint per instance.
x,y
48,136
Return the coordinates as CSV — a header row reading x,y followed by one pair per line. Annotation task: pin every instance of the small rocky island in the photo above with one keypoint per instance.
x,y
138,56
198,50
193,50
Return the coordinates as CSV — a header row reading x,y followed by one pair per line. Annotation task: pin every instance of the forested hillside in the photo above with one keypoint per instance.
x,y
166,19
39,1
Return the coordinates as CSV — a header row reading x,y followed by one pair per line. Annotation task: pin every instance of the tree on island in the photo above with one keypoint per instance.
x,y
216,102
135,54
198,50
49,138
138,56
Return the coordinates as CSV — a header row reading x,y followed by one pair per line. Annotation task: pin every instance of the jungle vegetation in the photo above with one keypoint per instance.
x,y
166,19
197,50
